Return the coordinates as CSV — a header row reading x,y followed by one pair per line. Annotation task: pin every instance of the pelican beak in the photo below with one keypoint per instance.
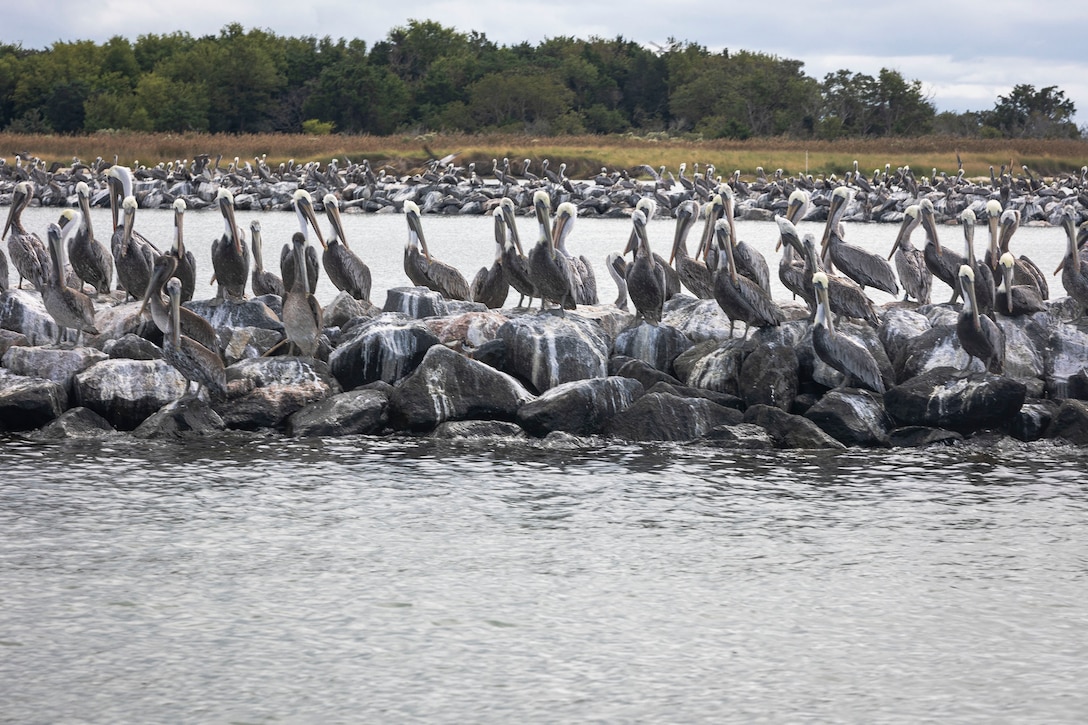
x,y
126,230
508,215
684,220
307,208
1070,227
415,228
226,207
561,221
994,254
1009,225
500,229
793,210
1006,275
333,212
837,202
540,204
930,225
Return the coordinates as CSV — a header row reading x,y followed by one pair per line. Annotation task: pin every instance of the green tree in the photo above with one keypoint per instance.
x,y
1028,113
525,99
171,105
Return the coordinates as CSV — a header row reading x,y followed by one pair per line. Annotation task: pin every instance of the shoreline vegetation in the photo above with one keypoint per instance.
x,y
585,155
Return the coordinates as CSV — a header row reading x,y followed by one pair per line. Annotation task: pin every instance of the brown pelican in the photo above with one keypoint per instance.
x,y
845,296
792,269
68,307
230,256
119,184
860,265
979,336
91,261
186,269
693,272
425,271
190,323
748,260
585,284
672,279
941,261
515,265
1015,299
617,270
196,363
302,319
1074,266
490,287
984,276
28,254
645,276
740,298
346,271
133,257
843,353
262,281
1025,271
304,212
548,268
910,262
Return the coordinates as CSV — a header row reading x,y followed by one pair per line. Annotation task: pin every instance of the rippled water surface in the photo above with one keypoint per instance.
x,y
388,580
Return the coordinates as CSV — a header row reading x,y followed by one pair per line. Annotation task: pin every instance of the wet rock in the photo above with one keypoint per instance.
x,y
684,391
344,307
698,320
918,436
769,376
1070,423
387,348
899,326
415,302
718,370
1033,419
125,392
946,398
356,412
608,318
76,423
236,313
476,429
580,407
937,347
466,331
645,373
9,339
23,312
745,436
265,391
788,430
241,343
51,363
27,403
656,345
853,417
547,350
186,417
1067,355
132,347
664,417
449,386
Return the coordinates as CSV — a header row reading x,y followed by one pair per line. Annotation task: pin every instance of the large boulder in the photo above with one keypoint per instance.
x,y
228,313
546,350
769,376
718,370
468,330
1070,423
853,417
698,320
263,392
29,402
356,412
125,392
947,398
387,348
664,417
76,423
656,345
415,302
51,363
1066,356
788,430
183,418
23,312
580,407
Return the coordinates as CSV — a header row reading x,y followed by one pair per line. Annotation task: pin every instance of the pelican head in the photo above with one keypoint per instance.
x,y
1069,224
128,218
507,206
929,221
911,219
1010,222
565,214
225,199
415,229
686,214
798,205
304,210
788,234
332,211
967,219
542,204
725,244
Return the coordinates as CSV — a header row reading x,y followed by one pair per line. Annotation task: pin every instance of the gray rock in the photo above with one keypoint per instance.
x,y
125,392
387,348
356,412
638,370
656,345
769,376
51,363
664,417
918,436
23,312
684,391
580,407
27,403
263,392
132,347
547,350
242,343
1070,423
187,417
1033,419
344,307
76,423
898,326
1066,356
477,429
747,436
718,370
937,347
698,320
468,330
946,398
853,417
9,339
788,430
415,302
236,313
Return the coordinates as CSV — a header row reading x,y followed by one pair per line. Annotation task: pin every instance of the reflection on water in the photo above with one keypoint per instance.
x,y
260,579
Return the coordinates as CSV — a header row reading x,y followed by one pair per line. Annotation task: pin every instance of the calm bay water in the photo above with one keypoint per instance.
x,y
260,579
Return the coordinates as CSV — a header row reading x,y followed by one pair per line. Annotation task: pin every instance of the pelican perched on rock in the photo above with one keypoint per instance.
x,y
133,256
941,261
793,268
28,253
693,272
1074,266
346,271
68,307
739,297
979,336
489,286
645,276
648,207
230,256
548,268
1015,299
92,262
845,296
190,323
985,289
860,265
748,259
196,363
1025,271
302,317
585,283
910,262
262,281
425,271
186,268
304,212
839,351
515,265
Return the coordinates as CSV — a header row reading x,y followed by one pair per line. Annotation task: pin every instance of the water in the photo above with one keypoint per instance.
x,y
261,579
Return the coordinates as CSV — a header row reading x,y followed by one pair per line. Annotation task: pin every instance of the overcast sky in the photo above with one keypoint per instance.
x,y
965,52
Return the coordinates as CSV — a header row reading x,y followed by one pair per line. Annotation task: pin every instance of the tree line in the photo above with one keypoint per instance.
x,y
427,77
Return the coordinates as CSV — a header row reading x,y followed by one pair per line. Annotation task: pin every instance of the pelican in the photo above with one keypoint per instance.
x,y
345,270
984,276
749,261
645,277
262,281
230,256
91,261
1025,270
860,265
1074,266
617,270
1015,299
189,323
186,268
304,212
693,272
979,336
740,298
548,268
845,296
133,257
196,363
910,262
28,253
68,307
672,279
843,353
515,265
490,286
585,284
425,271
941,261
302,319
792,269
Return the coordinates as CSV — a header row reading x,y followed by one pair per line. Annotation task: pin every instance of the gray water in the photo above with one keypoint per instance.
x,y
270,580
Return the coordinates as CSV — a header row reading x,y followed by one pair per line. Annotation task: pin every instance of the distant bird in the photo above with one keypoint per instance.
x,y
68,307
196,363
585,283
489,286
29,255
91,260
841,352
739,297
515,265
645,276
307,219
346,271
262,281
910,262
980,337
230,256
548,268
422,269
302,315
